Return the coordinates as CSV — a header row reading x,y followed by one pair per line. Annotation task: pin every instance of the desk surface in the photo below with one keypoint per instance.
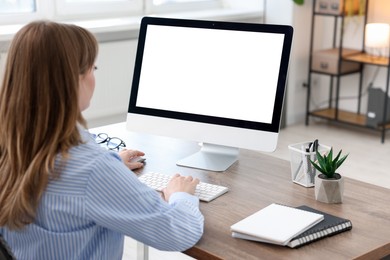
x,y
255,181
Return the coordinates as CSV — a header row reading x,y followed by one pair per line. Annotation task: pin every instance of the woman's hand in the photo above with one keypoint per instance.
x,y
180,184
129,156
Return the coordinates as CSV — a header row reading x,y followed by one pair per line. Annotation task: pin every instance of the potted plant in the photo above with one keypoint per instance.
x,y
328,184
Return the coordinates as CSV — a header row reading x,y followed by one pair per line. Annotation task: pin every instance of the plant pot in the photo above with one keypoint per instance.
x,y
329,190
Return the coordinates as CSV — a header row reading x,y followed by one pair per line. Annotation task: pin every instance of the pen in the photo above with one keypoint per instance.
x,y
308,157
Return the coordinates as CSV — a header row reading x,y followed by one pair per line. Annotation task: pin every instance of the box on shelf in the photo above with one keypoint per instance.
x,y
336,7
327,61
302,171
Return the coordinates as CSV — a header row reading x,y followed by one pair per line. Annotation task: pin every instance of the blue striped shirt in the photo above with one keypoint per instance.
x,y
95,202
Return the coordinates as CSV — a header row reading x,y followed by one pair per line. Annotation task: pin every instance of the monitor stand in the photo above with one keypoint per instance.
x,y
211,157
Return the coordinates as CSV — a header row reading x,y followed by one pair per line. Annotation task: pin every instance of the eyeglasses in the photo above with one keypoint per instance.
x,y
113,143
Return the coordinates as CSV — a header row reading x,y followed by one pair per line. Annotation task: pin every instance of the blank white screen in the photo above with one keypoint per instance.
x,y
222,73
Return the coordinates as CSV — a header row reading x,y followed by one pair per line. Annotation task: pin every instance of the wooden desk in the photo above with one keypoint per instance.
x,y
382,252
256,181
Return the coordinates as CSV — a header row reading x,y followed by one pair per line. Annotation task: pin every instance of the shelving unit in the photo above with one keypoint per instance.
x,y
343,59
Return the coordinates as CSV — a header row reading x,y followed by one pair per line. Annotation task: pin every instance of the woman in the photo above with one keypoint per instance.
x,y
61,195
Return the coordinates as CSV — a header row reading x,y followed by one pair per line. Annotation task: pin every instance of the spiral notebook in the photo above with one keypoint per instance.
x,y
276,224
331,225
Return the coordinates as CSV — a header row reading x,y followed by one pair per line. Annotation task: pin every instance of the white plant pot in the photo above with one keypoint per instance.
x,y
329,190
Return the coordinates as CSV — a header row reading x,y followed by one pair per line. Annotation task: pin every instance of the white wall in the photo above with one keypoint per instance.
x,y
113,82
286,12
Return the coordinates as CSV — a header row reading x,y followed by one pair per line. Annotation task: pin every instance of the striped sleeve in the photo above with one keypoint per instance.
x,y
115,199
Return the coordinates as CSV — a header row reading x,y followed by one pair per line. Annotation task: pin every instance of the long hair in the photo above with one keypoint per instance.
x,y
39,112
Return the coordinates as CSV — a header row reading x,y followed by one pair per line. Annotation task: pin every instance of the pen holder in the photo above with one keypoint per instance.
x,y
302,171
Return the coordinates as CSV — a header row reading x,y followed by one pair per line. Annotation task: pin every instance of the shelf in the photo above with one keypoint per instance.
x,y
367,59
335,74
350,60
344,117
328,14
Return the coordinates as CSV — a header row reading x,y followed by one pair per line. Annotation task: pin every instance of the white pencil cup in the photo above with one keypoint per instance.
x,y
302,171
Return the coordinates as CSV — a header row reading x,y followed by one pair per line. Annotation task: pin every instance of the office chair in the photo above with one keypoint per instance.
x,y
5,251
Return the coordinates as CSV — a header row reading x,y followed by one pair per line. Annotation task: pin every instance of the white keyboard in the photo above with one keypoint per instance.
x,y
204,191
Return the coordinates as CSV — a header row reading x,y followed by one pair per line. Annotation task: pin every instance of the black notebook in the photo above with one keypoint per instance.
x,y
331,225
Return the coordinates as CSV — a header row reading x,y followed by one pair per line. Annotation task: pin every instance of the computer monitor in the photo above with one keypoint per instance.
x,y
218,83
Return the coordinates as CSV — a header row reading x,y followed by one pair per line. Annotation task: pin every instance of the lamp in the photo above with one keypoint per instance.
x,y
377,39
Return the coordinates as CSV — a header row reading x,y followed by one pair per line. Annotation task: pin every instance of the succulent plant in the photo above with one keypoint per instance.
x,y
327,165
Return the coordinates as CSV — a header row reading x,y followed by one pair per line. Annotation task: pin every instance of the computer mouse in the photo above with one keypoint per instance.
x,y
138,159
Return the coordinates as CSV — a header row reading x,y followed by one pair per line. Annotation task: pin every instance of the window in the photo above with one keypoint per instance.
x,y
98,7
17,6
22,11
160,6
19,11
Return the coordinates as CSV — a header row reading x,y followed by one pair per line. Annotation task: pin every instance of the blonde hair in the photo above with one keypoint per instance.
x,y
39,112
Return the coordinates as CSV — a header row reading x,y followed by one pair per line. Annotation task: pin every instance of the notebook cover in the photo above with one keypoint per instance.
x,y
276,224
331,225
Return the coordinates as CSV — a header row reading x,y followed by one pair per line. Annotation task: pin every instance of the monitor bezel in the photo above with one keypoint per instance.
x,y
274,126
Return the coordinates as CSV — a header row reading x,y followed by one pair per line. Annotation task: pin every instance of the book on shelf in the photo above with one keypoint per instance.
x,y
276,224
331,225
